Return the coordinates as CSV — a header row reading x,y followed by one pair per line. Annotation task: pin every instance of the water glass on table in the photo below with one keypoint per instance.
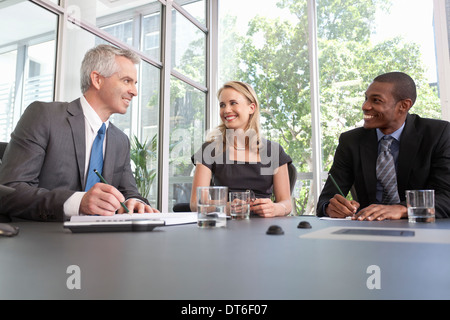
x,y
211,206
420,204
240,205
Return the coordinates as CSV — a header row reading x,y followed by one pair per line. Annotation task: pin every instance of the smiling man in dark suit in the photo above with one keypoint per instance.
x,y
420,150
48,157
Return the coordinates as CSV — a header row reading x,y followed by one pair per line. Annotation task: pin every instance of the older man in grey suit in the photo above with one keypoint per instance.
x,y
48,157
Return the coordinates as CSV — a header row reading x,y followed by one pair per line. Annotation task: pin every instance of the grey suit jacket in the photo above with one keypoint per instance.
x,y
423,163
45,161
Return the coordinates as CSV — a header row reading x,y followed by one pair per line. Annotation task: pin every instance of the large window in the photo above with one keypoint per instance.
x,y
359,42
187,128
189,48
27,59
188,96
171,105
172,88
268,45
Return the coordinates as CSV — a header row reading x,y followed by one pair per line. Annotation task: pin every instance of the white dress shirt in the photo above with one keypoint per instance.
x,y
92,125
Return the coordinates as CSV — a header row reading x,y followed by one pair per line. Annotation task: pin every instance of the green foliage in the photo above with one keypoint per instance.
x,y
274,59
141,154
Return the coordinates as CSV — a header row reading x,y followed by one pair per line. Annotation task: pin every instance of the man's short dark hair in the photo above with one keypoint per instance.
x,y
405,87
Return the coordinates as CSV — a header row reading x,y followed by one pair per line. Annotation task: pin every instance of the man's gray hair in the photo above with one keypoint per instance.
x,y
102,59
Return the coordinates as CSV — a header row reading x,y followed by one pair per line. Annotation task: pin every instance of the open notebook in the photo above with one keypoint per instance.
x,y
128,222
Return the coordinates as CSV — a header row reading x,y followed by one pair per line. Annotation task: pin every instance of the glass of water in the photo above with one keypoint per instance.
x,y
240,205
211,206
420,204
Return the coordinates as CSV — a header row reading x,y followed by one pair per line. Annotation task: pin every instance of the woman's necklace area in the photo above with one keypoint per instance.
x,y
239,148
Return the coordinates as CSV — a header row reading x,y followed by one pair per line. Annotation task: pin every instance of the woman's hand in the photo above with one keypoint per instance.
x,y
266,208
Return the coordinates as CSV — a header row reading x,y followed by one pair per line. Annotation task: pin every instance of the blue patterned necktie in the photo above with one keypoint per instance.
x,y
96,160
386,172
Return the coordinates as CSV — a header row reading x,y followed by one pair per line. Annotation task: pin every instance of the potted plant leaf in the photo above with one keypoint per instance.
x,y
142,154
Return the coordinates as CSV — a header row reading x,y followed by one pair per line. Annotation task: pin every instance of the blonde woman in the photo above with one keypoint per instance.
x,y
235,155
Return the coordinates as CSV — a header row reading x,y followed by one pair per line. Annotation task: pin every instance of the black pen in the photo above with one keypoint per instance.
x,y
104,181
336,185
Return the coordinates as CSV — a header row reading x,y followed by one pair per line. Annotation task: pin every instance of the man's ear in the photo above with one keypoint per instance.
x,y
96,79
405,105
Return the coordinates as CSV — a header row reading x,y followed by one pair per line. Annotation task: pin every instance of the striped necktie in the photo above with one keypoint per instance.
x,y
96,160
386,172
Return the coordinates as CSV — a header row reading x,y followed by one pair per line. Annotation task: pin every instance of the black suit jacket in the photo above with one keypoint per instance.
x,y
423,163
45,161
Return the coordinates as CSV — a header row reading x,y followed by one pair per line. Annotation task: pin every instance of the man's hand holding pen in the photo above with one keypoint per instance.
x,y
340,207
102,199
105,200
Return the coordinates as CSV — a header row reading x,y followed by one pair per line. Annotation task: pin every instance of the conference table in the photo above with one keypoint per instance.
x,y
333,259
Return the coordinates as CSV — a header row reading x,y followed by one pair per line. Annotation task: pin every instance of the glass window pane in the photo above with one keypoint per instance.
x,y
188,48
109,7
7,93
27,60
187,128
265,43
362,41
120,18
196,8
122,31
149,97
41,72
151,34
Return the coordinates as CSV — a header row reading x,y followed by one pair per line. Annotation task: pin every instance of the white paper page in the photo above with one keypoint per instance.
x,y
171,218
328,218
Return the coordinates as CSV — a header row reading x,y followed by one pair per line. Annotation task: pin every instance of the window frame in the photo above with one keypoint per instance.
x,y
210,28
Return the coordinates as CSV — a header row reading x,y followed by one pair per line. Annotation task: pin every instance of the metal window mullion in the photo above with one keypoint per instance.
x,y
164,128
315,102
60,69
19,88
189,81
212,60
53,7
188,16
136,125
442,55
111,39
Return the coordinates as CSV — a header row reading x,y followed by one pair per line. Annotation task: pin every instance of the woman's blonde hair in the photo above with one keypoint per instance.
x,y
253,125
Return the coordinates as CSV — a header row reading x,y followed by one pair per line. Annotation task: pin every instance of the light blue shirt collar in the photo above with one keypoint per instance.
x,y
396,134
